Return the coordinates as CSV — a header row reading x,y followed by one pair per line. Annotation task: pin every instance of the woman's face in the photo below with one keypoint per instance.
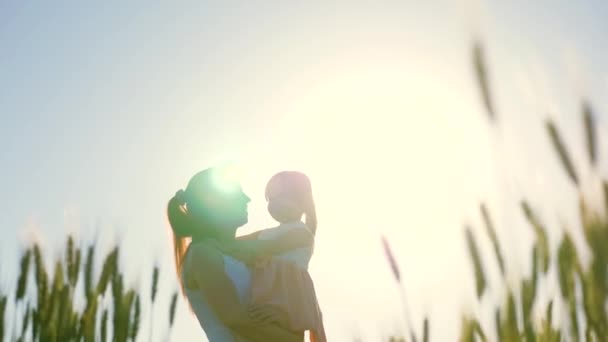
x,y
230,209
222,209
237,214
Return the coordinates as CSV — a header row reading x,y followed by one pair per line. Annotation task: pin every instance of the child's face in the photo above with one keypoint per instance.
x,y
283,207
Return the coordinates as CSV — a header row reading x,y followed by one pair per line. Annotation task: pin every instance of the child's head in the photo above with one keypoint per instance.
x,y
289,196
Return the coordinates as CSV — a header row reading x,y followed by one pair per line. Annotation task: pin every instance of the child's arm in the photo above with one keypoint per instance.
x,y
252,236
292,239
251,249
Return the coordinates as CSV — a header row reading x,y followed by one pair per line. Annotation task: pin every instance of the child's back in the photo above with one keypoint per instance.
x,y
299,256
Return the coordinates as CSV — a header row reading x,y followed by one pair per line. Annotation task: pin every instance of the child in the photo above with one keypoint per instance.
x,y
279,256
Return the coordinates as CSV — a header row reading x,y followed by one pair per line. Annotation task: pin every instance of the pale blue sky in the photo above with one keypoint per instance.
x,y
107,109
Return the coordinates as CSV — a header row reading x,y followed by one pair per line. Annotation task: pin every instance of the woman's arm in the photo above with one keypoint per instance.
x,y
210,278
219,291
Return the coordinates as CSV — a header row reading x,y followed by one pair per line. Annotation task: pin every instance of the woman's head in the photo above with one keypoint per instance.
x,y
289,196
212,205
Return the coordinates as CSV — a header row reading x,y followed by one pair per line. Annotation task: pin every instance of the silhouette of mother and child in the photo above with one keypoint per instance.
x,y
252,288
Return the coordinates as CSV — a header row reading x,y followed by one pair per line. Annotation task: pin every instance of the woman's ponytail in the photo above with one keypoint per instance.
x,y
181,225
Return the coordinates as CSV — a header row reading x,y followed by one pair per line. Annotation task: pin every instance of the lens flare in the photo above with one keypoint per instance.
x,y
227,179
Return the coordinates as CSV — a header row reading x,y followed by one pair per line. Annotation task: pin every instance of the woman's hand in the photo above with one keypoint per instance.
x,y
268,314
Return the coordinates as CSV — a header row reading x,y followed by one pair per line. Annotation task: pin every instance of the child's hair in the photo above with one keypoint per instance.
x,y
297,186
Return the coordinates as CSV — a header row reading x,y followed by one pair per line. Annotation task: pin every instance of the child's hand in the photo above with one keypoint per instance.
x,y
268,314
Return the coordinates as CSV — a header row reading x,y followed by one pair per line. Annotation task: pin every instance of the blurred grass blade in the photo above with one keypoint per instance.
x,y
392,261
528,295
24,271
566,266
425,330
117,291
480,279
491,231
589,122
122,315
605,188
498,324
588,333
390,257
154,283
136,319
58,279
74,270
70,257
89,320
509,324
41,278
573,315
479,331
172,309
155,273
36,323
589,306
26,321
542,240
88,271
104,326
470,330
547,332
560,148
2,314
481,73
110,266
535,262
467,331
65,309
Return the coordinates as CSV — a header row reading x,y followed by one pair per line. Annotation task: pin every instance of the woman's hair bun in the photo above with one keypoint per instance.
x,y
180,196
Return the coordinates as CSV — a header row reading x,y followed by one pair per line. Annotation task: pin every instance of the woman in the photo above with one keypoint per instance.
x,y
208,213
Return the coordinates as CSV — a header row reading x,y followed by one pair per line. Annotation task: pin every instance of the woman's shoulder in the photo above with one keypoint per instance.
x,y
206,251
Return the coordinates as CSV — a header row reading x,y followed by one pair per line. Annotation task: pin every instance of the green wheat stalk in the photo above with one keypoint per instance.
x,y
88,271
481,73
480,278
153,292
491,231
104,326
22,282
590,136
136,319
560,148
3,300
172,310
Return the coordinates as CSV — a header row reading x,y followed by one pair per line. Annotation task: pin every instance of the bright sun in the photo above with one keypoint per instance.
x,y
385,157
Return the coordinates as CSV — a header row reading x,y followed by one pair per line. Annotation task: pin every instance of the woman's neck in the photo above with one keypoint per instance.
x,y
218,234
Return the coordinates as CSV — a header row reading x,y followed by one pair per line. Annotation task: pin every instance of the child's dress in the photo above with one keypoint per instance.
x,y
284,281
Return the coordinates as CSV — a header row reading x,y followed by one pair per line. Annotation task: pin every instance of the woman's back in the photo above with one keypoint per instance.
x,y
215,329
